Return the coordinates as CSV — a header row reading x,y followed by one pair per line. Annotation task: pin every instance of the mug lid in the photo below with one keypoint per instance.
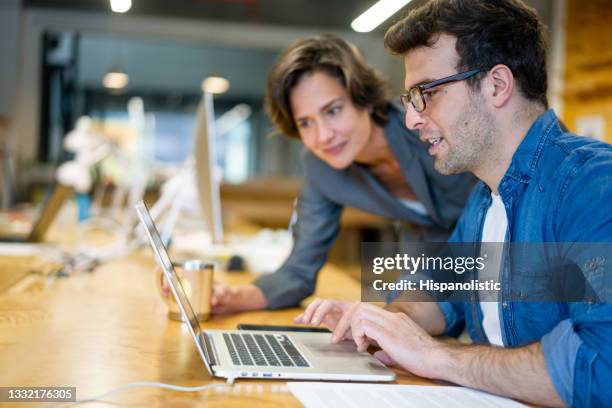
x,y
193,264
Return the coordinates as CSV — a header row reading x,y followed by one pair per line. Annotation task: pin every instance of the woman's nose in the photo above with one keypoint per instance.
x,y
325,133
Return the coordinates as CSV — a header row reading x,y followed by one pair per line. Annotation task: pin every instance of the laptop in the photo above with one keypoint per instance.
x,y
235,354
44,220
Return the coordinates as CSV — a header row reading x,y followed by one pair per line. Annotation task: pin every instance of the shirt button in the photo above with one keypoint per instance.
x,y
504,305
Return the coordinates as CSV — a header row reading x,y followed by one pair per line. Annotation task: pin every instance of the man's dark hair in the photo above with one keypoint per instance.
x,y
337,58
488,32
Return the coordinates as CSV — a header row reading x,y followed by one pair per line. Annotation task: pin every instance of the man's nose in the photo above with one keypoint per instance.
x,y
414,119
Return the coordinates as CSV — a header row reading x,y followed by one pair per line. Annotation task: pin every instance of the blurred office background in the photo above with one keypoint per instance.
x,y
55,55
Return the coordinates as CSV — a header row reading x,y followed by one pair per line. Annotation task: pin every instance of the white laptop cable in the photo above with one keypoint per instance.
x,y
145,384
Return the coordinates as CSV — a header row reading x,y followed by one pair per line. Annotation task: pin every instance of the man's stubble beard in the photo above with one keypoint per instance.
x,y
472,139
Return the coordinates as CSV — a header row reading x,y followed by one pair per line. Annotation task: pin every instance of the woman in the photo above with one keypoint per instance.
x,y
358,153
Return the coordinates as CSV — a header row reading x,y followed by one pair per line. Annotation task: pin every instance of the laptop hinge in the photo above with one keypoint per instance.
x,y
209,349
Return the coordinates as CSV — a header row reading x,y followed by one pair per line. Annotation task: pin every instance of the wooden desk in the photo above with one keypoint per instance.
x,y
98,331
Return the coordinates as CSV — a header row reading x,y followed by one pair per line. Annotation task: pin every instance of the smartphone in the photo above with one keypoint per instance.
x,y
243,326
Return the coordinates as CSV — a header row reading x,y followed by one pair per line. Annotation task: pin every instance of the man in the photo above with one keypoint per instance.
x,y
476,82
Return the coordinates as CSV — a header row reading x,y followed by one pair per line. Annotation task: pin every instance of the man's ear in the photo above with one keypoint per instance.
x,y
499,85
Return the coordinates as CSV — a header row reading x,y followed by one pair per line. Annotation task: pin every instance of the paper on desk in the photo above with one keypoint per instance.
x,y
318,394
20,249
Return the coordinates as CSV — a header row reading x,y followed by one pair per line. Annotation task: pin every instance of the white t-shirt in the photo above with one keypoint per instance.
x,y
495,226
414,205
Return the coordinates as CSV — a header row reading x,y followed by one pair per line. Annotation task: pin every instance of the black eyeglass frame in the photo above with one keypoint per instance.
x,y
407,97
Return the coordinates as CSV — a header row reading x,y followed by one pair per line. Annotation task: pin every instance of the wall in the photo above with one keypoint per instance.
x,y
10,25
587,95
10,12
173,67
37,21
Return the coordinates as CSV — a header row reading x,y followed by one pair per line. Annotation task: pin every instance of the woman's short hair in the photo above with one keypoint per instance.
x,y
334,56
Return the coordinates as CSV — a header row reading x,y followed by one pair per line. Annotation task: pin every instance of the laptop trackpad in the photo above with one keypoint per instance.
x,y
322,347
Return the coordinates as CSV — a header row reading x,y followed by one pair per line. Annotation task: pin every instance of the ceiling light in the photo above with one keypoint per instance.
x,y
376,14
215,85
120,6
116,78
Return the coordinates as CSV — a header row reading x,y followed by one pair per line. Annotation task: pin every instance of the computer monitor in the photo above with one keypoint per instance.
x,y
205,165
47,215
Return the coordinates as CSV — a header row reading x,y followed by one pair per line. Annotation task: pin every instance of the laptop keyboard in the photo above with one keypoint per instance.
x,y
263,350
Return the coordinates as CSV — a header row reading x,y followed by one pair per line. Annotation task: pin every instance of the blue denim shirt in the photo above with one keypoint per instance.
x,y
558,188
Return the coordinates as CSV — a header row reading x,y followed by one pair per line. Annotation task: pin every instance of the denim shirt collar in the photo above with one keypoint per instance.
x,y
526,157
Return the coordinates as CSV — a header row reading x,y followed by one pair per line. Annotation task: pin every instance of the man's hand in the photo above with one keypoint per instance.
x,y
402,341
426,314
332,313
513,372
227,299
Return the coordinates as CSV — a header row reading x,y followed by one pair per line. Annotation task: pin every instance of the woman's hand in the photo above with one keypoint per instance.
x,y
228,299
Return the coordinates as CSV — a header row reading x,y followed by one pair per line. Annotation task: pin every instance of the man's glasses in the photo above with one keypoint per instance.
x,y
417,94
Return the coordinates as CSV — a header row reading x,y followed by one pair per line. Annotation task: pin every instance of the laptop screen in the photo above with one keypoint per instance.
x,y
164,260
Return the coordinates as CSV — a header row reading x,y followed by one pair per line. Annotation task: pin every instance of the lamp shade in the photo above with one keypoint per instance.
x,y
115,78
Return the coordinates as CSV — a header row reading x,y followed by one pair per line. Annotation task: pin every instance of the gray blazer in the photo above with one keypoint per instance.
x,y
327,191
